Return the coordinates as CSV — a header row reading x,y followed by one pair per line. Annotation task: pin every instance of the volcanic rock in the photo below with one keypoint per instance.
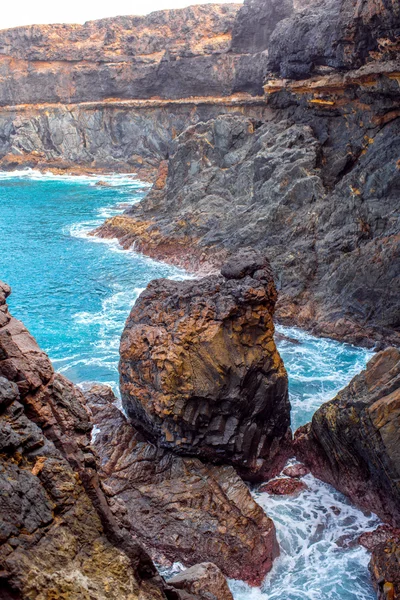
x,y
353,440
284,486
279,187
381,535
297,470
200,372
385,569
180,509
204,580
58,537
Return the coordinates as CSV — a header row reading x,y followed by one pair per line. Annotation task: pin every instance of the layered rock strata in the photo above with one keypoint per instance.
x,y
200,372
353,440
181,509
58,537
167,54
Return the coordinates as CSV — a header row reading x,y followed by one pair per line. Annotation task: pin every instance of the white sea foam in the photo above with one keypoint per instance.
x,y
320,557
112,179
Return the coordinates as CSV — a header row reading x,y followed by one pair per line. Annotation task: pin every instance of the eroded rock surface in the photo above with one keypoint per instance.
x,y
200,372
353,441
205,580
327,221
385,568
58,537
180,509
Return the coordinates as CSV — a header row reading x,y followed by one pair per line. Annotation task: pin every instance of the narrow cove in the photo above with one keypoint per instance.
x,y
74,293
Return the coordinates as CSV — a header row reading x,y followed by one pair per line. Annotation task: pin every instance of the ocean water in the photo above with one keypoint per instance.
x,y
74,293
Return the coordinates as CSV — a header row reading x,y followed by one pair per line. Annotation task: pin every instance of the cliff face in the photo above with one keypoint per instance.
x,y
59,537
353,440
171,54
314,180
306,170
118,136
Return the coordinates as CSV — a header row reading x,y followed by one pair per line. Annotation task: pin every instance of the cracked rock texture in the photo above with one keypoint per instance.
x,y
180,509
200,372
353,440
58,537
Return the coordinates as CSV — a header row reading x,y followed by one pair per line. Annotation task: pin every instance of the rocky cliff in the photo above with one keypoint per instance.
x,y
58,536
312,178
181,509
81,516
61,531
353,440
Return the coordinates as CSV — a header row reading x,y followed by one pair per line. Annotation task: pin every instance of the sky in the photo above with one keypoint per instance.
x,y
28,12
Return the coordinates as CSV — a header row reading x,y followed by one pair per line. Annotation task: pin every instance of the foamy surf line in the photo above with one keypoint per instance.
x,y
112,179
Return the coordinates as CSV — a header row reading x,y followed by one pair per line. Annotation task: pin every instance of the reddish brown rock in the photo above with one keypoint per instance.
x,y
297,470
180,509
200,372
58,537
353,440
381,535
204,580
284,487
385,568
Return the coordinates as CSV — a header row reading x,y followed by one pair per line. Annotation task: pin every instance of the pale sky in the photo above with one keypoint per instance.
x,y
27,12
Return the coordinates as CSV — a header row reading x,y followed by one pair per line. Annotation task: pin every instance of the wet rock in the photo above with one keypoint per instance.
x,y
180,509
381,535
58,536
353,440
284,487
297,470
385,568
200,373
205,580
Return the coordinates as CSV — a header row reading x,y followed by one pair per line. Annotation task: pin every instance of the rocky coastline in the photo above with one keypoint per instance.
x,y
271,135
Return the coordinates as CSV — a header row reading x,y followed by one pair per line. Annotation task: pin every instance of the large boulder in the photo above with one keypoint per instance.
x,y
353,441
180,509
200,373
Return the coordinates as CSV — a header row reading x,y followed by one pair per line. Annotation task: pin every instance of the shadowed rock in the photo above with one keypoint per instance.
x,y
180,509
353,441
200,372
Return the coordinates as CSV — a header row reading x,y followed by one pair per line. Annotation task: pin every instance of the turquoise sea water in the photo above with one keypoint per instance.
x,y
74,293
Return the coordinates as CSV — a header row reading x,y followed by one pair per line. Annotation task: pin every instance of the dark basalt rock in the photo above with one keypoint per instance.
x,y
333,34
199,369
255,22
181,509
353,440
330,230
